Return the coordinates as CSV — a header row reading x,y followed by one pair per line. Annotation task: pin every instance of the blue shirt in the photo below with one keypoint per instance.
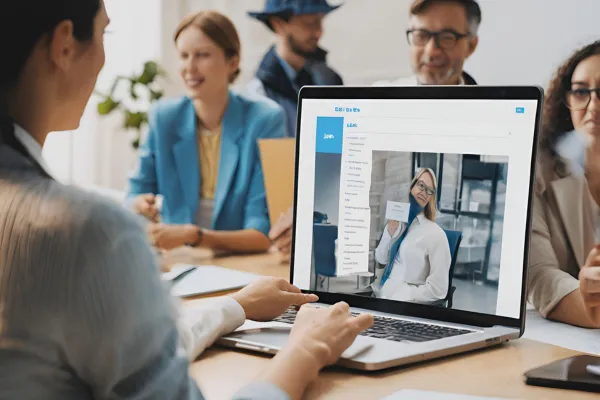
x,y
290,72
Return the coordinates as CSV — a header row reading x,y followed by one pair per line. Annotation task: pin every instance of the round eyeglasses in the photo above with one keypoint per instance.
x,y
579,99
424,188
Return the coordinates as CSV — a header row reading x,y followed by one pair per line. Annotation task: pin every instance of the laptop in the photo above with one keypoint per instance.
x,y
451,278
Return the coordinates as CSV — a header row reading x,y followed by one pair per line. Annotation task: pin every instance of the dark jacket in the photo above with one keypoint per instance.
x,y
272,81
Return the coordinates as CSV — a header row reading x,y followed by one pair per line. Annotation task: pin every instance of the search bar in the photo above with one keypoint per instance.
x,y
408,126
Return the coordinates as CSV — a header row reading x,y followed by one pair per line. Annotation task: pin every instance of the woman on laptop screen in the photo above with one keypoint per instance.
x,y
564,259
416,253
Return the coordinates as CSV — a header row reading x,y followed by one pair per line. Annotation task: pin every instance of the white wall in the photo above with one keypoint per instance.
x,y
99,152
524,41
521,42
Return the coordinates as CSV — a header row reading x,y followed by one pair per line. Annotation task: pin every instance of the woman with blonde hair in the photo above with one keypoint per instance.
x,y
416,254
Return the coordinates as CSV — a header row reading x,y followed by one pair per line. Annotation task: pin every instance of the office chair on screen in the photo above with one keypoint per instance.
x,y
324,236
454,239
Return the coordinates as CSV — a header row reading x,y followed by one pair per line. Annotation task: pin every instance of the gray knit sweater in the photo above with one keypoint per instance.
x,y
83,313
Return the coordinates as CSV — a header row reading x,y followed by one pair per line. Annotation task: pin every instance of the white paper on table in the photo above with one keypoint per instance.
x,y
397,211
427,395
559,334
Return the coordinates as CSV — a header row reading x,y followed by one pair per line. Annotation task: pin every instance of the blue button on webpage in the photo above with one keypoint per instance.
x,y
520,110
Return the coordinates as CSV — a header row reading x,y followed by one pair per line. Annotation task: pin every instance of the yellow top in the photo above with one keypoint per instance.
x,y
209,150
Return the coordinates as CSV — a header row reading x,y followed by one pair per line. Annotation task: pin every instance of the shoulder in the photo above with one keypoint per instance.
x,y
433,229
168,109
60,216
255,86
95,217
260,110
546,171
327,74
258,105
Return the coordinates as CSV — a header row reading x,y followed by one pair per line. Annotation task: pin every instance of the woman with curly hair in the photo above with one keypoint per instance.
x,y
564,261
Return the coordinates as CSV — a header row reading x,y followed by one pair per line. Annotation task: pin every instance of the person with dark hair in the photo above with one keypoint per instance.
x,y
564,259
84,314
296,59
442,35
201,153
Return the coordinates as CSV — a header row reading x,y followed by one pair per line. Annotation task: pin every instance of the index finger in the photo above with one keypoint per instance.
x,y
590,280
593,257
362,322
148,197
278,229
288,287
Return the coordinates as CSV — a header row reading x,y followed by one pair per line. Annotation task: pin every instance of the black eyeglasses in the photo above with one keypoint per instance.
x,y
445,39
579,99
424,188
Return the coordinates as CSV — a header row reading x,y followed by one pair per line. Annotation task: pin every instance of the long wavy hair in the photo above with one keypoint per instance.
x,y
556,117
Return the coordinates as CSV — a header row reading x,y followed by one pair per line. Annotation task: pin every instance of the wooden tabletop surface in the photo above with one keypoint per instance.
x,y
495,372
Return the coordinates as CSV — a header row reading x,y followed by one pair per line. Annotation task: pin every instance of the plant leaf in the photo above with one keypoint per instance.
x,y
156,95
135,119
107,106
132,92
149,74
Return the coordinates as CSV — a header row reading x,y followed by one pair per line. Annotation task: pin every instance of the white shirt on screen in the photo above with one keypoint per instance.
x,y
420,272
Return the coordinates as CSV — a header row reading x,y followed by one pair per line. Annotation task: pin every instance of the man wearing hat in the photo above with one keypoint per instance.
x,y
295,60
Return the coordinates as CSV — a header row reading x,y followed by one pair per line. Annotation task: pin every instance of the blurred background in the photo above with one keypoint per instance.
x,y
521,42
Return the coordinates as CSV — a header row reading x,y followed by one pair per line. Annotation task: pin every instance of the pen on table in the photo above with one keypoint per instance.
x,y
158,202
182,275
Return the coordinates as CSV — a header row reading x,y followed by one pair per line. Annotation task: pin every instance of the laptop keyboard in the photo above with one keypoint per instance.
x,y
394,329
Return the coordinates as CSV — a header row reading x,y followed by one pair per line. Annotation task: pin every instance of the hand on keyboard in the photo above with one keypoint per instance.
x,y
268,297
326,333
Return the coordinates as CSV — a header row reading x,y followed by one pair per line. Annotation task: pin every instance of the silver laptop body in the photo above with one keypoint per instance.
x,y
485,303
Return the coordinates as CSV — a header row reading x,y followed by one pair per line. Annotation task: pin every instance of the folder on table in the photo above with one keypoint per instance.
x,y
278,157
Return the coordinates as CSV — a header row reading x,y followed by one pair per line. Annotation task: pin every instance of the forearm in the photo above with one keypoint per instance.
x,y
382,252
571,310
200,324
244,241
426,293
292,371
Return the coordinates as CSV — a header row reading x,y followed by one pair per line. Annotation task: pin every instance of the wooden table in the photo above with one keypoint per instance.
x,y
496,371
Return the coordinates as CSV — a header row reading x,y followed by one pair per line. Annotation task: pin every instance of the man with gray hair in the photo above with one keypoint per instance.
x,y
442,34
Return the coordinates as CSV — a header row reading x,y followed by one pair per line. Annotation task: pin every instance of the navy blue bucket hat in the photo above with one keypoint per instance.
x,y
288,8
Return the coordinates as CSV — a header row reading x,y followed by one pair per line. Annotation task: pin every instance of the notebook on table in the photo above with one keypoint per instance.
x,y
197,280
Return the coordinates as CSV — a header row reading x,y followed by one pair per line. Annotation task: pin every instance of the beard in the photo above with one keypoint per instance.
x,y
299,50
441,77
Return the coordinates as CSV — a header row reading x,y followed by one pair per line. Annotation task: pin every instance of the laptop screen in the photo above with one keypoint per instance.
x,y
422,201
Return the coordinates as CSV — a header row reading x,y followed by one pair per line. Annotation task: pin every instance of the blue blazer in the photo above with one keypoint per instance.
x,y
169,162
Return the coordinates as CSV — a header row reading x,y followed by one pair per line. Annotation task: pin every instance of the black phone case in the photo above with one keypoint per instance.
x,y
569,373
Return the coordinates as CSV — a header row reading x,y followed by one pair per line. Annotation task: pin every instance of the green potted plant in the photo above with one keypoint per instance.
x,y
142,91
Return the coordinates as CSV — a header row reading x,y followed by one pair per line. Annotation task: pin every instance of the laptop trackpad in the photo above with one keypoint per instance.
x,y
276,335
